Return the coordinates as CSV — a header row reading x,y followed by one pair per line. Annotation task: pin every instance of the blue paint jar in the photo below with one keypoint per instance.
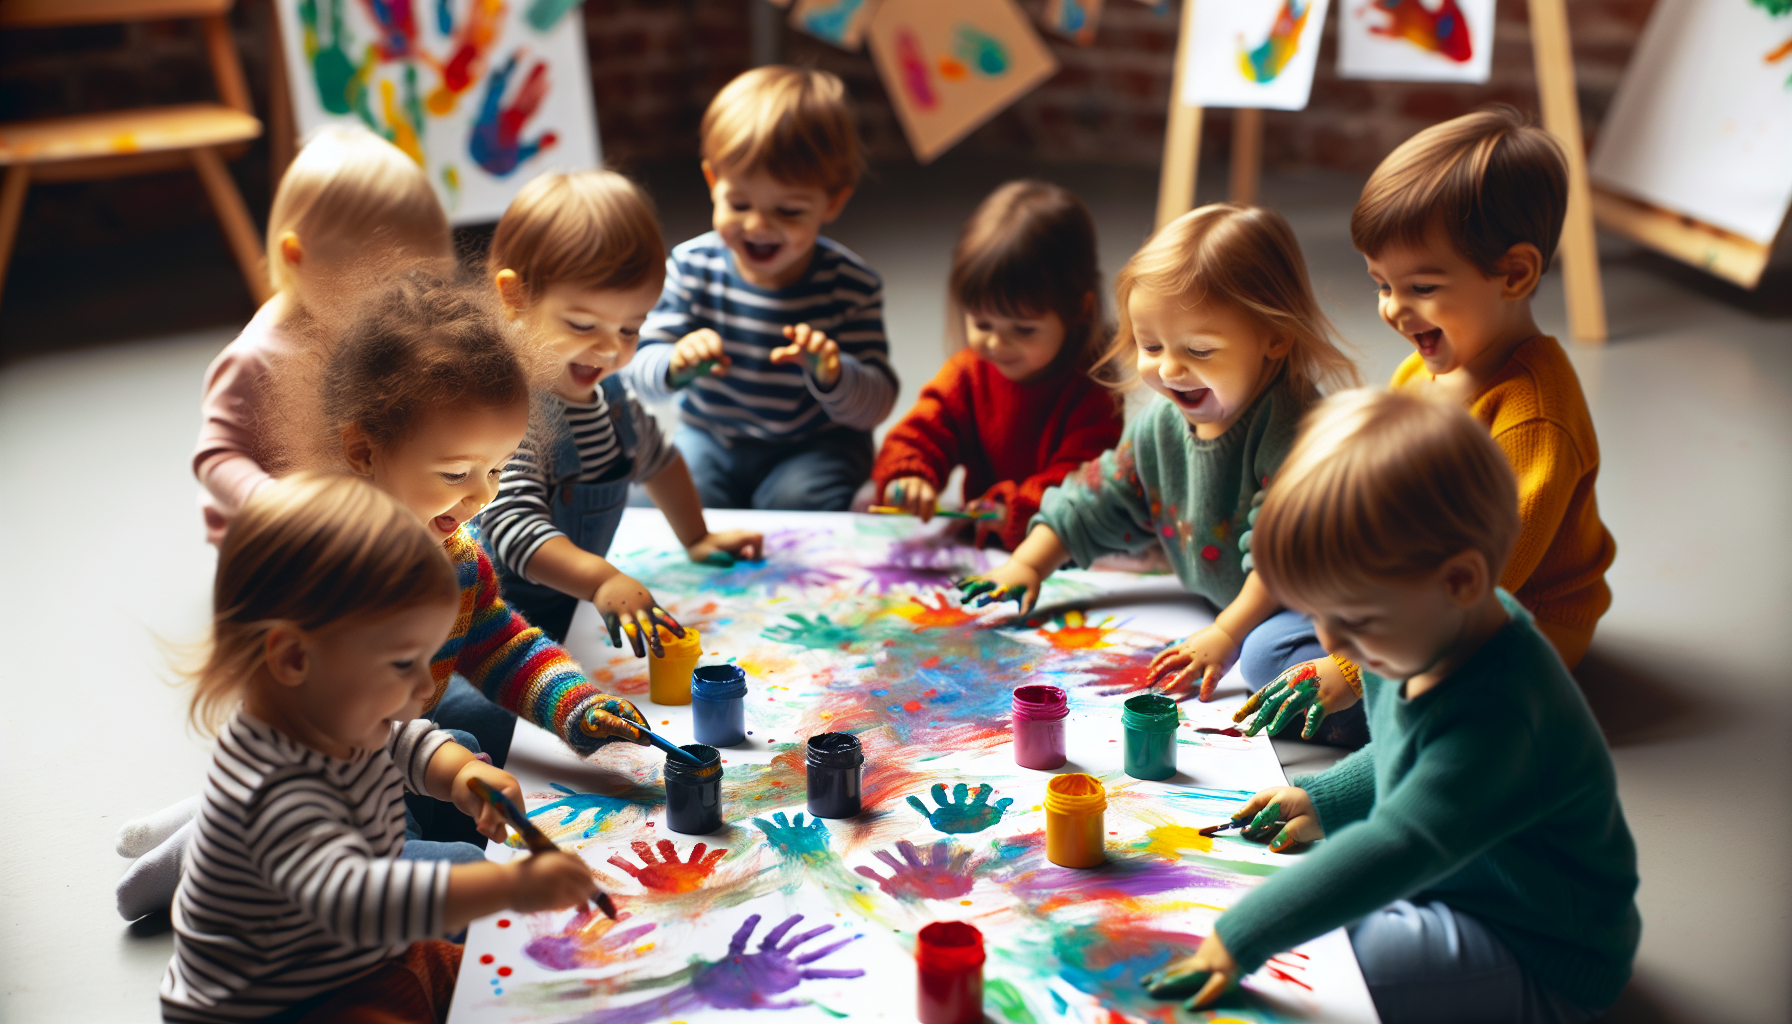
x,y
694,791
719,705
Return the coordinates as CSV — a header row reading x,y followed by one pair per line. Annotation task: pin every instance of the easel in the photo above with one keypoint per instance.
x,y
1721,253
1561,118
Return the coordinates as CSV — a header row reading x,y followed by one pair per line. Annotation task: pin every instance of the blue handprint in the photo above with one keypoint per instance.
x,y
794,839
961,815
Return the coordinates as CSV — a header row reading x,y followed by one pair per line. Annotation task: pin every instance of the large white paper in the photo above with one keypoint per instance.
x,y
1416,40
1252,53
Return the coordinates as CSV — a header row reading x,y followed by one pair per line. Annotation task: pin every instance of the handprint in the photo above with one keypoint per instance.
x,y
742,980
960,816
589,940
942,876
821,634
671,874
341,84
473,37
496,143
794,839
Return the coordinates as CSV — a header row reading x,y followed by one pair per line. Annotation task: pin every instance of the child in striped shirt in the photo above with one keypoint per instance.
x,y
773,334
329,598
578,259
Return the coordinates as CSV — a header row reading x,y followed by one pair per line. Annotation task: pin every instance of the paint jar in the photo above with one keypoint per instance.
x,y
1039,726
1074,806
719,705
836,766
669,678
949,969
694,791
1150,721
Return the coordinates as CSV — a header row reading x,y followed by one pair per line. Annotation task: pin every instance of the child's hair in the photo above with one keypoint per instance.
x,y
1490,180
593,229
1246,258
1382,486
1029,249
310,549
794,124
350,191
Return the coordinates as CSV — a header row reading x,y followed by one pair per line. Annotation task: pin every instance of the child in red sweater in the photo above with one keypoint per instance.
x,y
1017,407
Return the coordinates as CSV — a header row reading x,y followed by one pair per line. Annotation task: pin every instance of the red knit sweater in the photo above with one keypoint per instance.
x,y
1014,440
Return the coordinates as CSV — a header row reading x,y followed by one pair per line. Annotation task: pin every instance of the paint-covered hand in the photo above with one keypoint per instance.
x,y
1200,978
942,876
548,881
1013,580
962,814
1283,816
628,607
666,873
696,354
793,838
1201,658
1316,688
743,980
814,351
485,817
612,718
725,547
913,495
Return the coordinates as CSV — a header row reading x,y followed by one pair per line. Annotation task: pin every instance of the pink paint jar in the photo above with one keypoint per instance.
x,y
1039,726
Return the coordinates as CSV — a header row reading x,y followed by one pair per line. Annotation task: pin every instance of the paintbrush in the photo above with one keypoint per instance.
x,y
672,749
1215,829
532,837
943,513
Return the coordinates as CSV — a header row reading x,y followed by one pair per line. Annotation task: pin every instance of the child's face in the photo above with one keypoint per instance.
x,y
1018,347
592,333
1209,359
1402,628
769,225
359,677
447,470
1447,307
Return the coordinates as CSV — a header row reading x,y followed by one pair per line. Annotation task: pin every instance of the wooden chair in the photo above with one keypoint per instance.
x,y
141,140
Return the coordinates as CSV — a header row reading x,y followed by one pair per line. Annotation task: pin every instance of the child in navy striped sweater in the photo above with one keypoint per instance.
x,y
774,334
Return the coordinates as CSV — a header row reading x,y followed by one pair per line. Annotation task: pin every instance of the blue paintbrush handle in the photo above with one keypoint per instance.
x,y
672,749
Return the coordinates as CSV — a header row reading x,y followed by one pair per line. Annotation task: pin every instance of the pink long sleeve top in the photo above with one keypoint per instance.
x,y
229,455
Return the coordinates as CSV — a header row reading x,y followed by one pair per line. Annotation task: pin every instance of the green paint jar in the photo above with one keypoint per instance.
x,y
1150,721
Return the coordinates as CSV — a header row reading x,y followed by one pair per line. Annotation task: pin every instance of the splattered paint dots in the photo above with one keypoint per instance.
x,y
503,922
503,972
1210,552
487,958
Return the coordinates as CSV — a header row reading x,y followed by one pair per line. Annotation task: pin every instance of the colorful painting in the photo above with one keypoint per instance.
x,y
951,65
1702,123
850,625
1417,40
1073,19
483,94
1252,53
841,22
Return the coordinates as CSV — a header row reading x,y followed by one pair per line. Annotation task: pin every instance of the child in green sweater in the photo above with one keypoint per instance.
x,y
1475,848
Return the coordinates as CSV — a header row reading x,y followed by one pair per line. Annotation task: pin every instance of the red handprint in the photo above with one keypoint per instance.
x,y
671,874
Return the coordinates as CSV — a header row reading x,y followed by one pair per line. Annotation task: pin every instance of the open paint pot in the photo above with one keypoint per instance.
x,y
694,791
836,765
1075,809
719,705
1039,727
669,678
1150,722
949,969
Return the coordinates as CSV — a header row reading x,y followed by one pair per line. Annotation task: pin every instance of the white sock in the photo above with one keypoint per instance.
x,y
150,883
141,835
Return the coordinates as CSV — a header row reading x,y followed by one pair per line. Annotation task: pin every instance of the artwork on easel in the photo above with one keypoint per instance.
x,y
1416,40
1252,53
841,22
1073,19
951,65
1702,123
483,94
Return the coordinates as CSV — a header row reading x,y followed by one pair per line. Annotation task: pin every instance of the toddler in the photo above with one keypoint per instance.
x,y
328,600
1017,407
578,259
774,334
1477,842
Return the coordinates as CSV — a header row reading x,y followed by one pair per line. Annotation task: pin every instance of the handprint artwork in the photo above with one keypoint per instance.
x,y
962,815
665,872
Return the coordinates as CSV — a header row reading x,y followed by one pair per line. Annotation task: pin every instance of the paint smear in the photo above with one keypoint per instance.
x,y
1443,31
1267,60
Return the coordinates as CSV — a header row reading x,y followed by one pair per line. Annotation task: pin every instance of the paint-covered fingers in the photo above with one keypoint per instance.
x,y
1217,984
1254,702
913,495
550,881
696,354
1303,829
1315,716
1201,978
1177,981
1303,696
1265,823
1209,680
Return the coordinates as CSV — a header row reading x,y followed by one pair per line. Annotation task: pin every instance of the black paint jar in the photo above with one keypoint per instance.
x,y
836,766
694,791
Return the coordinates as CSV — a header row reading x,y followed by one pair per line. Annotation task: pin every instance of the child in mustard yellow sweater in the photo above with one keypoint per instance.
x,y
1458,226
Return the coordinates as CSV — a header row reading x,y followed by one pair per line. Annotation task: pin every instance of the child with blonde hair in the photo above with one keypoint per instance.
x,y
329,598
578,259
349,209
1017,407
773,334
1217,316
1475,849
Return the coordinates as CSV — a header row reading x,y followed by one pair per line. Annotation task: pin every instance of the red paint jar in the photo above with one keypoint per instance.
x,y
1039,726
949,965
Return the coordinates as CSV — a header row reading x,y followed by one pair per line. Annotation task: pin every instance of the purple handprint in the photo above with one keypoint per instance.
x,y
942,876
744,980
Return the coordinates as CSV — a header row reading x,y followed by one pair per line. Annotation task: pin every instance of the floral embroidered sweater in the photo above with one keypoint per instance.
x,y
1164,484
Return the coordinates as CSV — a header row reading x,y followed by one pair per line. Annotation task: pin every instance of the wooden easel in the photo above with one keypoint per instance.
x,y
1554,64
1725,254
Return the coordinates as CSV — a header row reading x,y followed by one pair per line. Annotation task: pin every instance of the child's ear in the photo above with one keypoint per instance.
x,y
510,290
284,653
357,450
836,203
709,174
1520,270
1466,579
290,249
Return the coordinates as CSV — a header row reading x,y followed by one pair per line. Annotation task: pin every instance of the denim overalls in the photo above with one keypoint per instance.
x,y
586,513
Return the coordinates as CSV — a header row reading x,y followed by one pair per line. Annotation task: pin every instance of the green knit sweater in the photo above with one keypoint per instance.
x,y
1492,792
1166,485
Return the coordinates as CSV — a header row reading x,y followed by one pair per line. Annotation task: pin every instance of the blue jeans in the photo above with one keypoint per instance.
x,y
433,825
819,474
1428,962
1285,639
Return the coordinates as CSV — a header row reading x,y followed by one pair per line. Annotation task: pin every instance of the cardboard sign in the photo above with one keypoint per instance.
x,y
1416,40
1252,53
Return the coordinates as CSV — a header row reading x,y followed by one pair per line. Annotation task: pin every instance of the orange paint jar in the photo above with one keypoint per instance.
x,y
1075,807
669,678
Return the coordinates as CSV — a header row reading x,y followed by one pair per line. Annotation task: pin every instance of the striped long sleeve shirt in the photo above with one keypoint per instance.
x,y
838,295
293,885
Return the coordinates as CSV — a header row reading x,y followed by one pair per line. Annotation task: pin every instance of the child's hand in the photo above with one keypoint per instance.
x,y
628,607
549,881
913,495
1013,580
491,824
696,354
1202,656
725,547
613,718
1283,815
819,356
991,514
1206,975
1317,688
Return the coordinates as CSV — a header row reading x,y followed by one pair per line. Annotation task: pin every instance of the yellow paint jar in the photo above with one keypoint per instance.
x,y
669,678
1074,806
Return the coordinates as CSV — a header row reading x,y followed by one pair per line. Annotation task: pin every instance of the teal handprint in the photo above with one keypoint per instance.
x,y
341,85
963,814
821,634
793,839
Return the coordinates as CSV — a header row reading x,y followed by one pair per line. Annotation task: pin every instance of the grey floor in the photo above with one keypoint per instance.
x,y
107,578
